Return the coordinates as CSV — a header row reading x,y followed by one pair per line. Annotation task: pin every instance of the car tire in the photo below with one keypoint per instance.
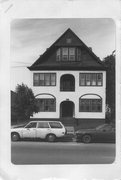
x,y
15,137
86,138
51,137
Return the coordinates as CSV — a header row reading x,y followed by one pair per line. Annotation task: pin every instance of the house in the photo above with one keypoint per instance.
x,y
69,82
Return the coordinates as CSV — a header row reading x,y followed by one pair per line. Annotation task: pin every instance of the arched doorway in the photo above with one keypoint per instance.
x,y
67,109
67,82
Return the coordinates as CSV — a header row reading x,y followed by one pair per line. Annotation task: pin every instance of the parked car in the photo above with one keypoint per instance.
x,y
48,130
102,133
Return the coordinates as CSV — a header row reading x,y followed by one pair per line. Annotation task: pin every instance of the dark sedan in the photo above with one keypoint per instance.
x,y
102,133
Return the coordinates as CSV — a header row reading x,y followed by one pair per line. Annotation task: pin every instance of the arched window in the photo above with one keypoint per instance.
x,y
67,83
90,103
46,103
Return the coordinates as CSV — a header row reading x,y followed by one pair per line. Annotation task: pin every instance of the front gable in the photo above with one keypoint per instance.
x,y
70,41
69,38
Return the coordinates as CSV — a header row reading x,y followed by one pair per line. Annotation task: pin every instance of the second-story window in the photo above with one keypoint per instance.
x,y
91,79
44,79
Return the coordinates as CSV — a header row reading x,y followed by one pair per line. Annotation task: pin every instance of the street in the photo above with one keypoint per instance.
x,y
28,152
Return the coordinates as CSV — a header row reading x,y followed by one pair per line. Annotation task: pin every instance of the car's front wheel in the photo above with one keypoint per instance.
x,y
51,137
15,137
86,138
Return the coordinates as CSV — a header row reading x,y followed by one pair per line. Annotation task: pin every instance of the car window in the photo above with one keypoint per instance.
x,y
104,127
101,126
31,125
55,125
107,128
43,125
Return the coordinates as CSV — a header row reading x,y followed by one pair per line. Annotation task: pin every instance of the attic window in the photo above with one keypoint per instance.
x,y
68,54
68,41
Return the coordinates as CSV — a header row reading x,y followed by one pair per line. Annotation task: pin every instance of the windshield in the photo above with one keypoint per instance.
x,y
101,126
31,125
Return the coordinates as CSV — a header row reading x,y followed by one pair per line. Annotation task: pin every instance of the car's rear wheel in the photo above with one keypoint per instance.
x,y
86,138
51,137
15,137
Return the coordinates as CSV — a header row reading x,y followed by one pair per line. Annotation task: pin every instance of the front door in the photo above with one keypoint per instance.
x,y
43,129
67,109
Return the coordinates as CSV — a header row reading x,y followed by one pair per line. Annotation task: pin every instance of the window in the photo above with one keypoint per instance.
x,y
31,125
90,105
43,125
90,79
67,82
71,54
68,54
58,54
68,41
99,79
65,54
93,80
36,79
44,79
78,54
41,79
104,127
46,105
55,125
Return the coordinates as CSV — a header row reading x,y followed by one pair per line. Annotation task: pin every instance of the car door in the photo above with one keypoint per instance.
x,y
30,130
57,129
105,133
43,129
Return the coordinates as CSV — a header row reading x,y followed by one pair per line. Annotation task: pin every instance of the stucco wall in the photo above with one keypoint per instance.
x,y
72,96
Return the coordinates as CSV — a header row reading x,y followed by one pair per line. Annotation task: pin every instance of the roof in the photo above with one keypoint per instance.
x,y
45,62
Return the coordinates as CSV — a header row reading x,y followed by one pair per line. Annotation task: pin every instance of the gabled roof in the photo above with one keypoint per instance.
x,y
42,64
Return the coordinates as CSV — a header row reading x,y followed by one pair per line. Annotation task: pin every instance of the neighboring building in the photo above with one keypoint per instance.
x,y
69,81
13,113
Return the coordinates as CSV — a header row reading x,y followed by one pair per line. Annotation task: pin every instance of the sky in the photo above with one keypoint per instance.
x,y
31,37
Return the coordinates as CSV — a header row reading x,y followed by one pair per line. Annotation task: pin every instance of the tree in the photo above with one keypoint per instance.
x,y
109,62
25,103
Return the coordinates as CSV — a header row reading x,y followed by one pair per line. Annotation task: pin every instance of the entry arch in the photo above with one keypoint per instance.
x,y
67,109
